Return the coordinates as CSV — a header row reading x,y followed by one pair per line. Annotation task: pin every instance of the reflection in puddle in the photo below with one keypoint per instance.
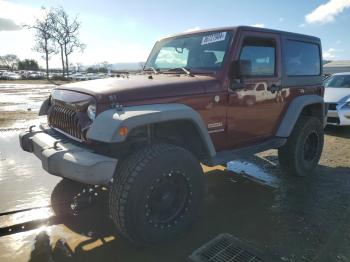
x,y
253,172
24,184
24,215
18,245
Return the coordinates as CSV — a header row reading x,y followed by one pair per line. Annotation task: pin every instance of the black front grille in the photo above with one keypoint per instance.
x,y
332,106
333,120
66,120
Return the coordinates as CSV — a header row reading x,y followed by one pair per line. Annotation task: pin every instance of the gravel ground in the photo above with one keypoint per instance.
x,y
295,219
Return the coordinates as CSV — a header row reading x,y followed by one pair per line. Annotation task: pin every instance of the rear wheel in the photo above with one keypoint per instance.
x,y
156,193
302,152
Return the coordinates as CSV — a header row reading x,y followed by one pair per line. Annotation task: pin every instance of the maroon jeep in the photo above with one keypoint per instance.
x,y
203,97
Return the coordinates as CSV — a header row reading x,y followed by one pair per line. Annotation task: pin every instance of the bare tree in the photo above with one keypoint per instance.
x,y
74,44
9,61
44,39
66,32
58,35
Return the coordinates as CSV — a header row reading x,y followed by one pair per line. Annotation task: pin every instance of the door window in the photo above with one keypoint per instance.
x,y
260,54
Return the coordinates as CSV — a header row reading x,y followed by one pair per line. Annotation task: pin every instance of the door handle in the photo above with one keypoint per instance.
x,y
274,88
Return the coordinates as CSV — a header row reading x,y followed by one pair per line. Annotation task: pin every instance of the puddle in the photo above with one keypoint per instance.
x,y
254,172
14,97
24,184
41,244
25,216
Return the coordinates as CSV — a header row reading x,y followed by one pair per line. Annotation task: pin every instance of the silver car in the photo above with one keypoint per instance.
x,y
337,96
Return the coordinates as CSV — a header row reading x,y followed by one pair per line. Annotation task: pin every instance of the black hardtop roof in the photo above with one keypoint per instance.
x,y
250,28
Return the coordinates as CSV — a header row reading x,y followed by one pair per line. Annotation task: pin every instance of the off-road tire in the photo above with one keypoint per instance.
x,y
136,193
300,155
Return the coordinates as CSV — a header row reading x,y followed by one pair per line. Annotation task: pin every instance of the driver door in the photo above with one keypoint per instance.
x,y
254,106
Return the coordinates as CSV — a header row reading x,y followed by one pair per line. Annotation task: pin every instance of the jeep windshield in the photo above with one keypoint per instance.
x,y
198,52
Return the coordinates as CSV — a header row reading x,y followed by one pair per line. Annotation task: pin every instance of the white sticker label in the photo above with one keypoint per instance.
x,y
217,37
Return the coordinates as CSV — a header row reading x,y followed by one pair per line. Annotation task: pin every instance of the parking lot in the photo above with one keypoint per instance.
x,y
15,75
295,219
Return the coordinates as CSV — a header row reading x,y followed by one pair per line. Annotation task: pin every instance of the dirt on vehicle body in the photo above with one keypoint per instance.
x,y
204,97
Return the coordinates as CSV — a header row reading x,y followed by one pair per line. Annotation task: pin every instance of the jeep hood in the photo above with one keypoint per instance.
x,y
143,87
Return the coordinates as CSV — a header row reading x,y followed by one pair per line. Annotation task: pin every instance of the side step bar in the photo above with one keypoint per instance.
x,y
226,156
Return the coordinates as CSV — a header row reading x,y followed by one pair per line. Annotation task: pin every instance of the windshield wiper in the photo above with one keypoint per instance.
x,y
151,68
183,69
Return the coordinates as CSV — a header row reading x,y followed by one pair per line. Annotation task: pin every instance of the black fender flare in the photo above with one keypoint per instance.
x,y
294,110
106,125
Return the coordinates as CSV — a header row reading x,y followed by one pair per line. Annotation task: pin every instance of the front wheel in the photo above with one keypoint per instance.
x,y
156,193
302,152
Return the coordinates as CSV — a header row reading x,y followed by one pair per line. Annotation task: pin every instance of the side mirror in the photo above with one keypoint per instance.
x,y
240,70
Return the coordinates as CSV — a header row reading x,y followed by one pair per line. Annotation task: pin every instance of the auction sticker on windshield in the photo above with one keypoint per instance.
x,y
217,37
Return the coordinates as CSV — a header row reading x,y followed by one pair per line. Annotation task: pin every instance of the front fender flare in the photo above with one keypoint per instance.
x,y
106,125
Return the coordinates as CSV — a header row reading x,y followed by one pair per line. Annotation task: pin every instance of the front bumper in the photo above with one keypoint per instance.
x,y
65,159
338,117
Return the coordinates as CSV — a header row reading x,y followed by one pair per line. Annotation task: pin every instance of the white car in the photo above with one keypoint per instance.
x,y
91,76
337,96
78,77
11,76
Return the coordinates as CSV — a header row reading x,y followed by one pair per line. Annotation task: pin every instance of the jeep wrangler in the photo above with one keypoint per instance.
x,y
207,97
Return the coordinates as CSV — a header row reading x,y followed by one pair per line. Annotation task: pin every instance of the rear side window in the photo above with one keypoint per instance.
x,y
302,59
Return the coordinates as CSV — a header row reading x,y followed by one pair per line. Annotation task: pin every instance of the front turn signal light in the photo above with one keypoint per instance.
x,y
123,131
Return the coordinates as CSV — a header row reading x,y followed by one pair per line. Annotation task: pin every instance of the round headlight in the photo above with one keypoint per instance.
x,y
91,111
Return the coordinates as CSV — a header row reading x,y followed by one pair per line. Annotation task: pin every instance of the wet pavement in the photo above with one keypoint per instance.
x,y
296,219
20,103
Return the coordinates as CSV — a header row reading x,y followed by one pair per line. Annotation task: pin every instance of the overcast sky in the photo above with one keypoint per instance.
x,y
125,31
